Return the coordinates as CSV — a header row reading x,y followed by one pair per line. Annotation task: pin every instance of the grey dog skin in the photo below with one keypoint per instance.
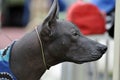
x,y
62,42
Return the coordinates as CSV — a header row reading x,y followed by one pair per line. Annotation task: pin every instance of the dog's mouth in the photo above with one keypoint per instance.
x,y
89,58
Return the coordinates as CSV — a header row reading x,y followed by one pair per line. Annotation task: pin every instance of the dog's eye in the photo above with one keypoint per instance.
x,y
75,33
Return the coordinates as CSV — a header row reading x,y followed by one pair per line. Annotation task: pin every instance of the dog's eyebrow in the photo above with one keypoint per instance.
x,y
74,25
75,29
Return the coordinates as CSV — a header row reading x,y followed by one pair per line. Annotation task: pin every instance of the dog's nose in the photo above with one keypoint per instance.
x,y
102,49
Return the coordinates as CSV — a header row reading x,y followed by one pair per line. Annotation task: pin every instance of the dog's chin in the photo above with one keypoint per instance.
x,y
87,59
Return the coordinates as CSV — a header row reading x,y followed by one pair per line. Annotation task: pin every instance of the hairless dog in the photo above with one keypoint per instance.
x,y
53,42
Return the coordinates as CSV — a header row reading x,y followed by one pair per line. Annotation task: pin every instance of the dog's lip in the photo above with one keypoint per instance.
x,y
88,59
97,56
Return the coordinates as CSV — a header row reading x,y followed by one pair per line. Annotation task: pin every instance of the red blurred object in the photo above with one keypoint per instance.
x,y
87,17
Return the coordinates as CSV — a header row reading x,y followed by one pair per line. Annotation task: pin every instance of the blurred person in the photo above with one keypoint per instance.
x,y
87,17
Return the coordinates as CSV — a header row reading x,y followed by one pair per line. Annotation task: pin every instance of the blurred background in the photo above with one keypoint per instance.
x,y
94,18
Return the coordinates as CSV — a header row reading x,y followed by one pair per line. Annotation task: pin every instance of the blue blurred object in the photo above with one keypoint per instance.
x,y
26,13
104,5
62,5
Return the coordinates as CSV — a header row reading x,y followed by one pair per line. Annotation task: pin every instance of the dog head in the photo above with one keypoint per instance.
x,y
63,40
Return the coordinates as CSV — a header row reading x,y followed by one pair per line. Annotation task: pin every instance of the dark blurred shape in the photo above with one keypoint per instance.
x,y
111,31
111,23
87,17
13,13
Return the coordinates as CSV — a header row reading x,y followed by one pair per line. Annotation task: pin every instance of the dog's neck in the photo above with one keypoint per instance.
x,y
27,53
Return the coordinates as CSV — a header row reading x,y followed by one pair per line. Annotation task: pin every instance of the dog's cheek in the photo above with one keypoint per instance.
x,y
58,48
77,52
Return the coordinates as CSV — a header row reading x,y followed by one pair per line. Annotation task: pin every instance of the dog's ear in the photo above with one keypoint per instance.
x,y
49,22
52,15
